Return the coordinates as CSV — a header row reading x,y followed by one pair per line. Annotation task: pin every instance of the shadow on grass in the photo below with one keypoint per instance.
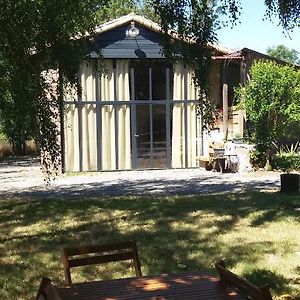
x,y
173,233
263,277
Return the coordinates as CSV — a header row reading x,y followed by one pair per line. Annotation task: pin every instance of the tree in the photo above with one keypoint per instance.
x,y
42,35
115,9
16,111
46,29
284,53
35,36
118,8
271,100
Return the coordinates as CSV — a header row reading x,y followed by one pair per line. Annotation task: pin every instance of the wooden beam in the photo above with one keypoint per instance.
x,y
225,110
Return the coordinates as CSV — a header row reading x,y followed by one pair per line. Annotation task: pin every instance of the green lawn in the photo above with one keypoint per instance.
x,y
257,233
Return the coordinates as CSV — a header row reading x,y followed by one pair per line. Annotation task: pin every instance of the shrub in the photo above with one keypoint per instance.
x,y
271,100
287,158
286,162
257,159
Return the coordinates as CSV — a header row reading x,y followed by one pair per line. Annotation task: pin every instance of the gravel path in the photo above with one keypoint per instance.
x,y
24,178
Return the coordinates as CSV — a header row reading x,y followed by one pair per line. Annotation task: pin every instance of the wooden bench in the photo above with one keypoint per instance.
x,y
242,285
99,254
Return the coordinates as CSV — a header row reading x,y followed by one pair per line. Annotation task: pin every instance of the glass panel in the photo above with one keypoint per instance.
x,y
143,136
141,78
158,80
159,136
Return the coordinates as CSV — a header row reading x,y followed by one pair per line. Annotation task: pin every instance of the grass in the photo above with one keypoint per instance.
x,y
257,233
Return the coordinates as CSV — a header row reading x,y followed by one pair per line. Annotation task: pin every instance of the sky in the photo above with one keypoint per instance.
x,y
256,34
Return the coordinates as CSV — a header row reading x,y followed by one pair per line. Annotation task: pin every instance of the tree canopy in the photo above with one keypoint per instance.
x,y
35,36
284,53
41,35
118,8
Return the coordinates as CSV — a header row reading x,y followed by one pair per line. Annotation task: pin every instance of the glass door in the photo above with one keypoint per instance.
x,y
149,115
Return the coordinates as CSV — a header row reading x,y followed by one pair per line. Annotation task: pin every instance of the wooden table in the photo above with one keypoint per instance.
x,y
181,286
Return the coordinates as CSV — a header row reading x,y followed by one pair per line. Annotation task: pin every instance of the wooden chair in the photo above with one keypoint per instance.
x,y
98,254
47,291
245,287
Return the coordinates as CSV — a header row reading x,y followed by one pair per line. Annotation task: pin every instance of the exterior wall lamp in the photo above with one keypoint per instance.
x,y
132,32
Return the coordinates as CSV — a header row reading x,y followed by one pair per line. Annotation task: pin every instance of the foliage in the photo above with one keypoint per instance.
x,y
17,109
118,8
286,162
257,159
115,9
293,149
194,231
197,20
287,158
271,101
195,23
35,36
284,53
286,11
210,114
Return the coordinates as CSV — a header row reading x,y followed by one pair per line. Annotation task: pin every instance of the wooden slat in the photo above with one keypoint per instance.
x,y
229,278
100,259
225,110
51,292
41,290
98,254
47,291
99,248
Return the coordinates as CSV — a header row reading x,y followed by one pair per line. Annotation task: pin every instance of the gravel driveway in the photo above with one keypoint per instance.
x,y
24,178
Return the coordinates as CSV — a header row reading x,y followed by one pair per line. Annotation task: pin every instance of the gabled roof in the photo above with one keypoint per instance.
x,y
149,25
246,51
127,19
242,54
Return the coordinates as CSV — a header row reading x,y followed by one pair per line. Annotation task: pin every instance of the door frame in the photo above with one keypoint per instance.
x,y
150,102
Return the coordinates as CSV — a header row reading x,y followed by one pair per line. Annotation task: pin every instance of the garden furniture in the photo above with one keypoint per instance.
x,y
250,290
183,286
99,254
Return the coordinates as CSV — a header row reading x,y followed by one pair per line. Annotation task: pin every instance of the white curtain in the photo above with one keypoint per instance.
x,y
124,133
87,114
89,129
183,79
71,138
113,84
108,146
